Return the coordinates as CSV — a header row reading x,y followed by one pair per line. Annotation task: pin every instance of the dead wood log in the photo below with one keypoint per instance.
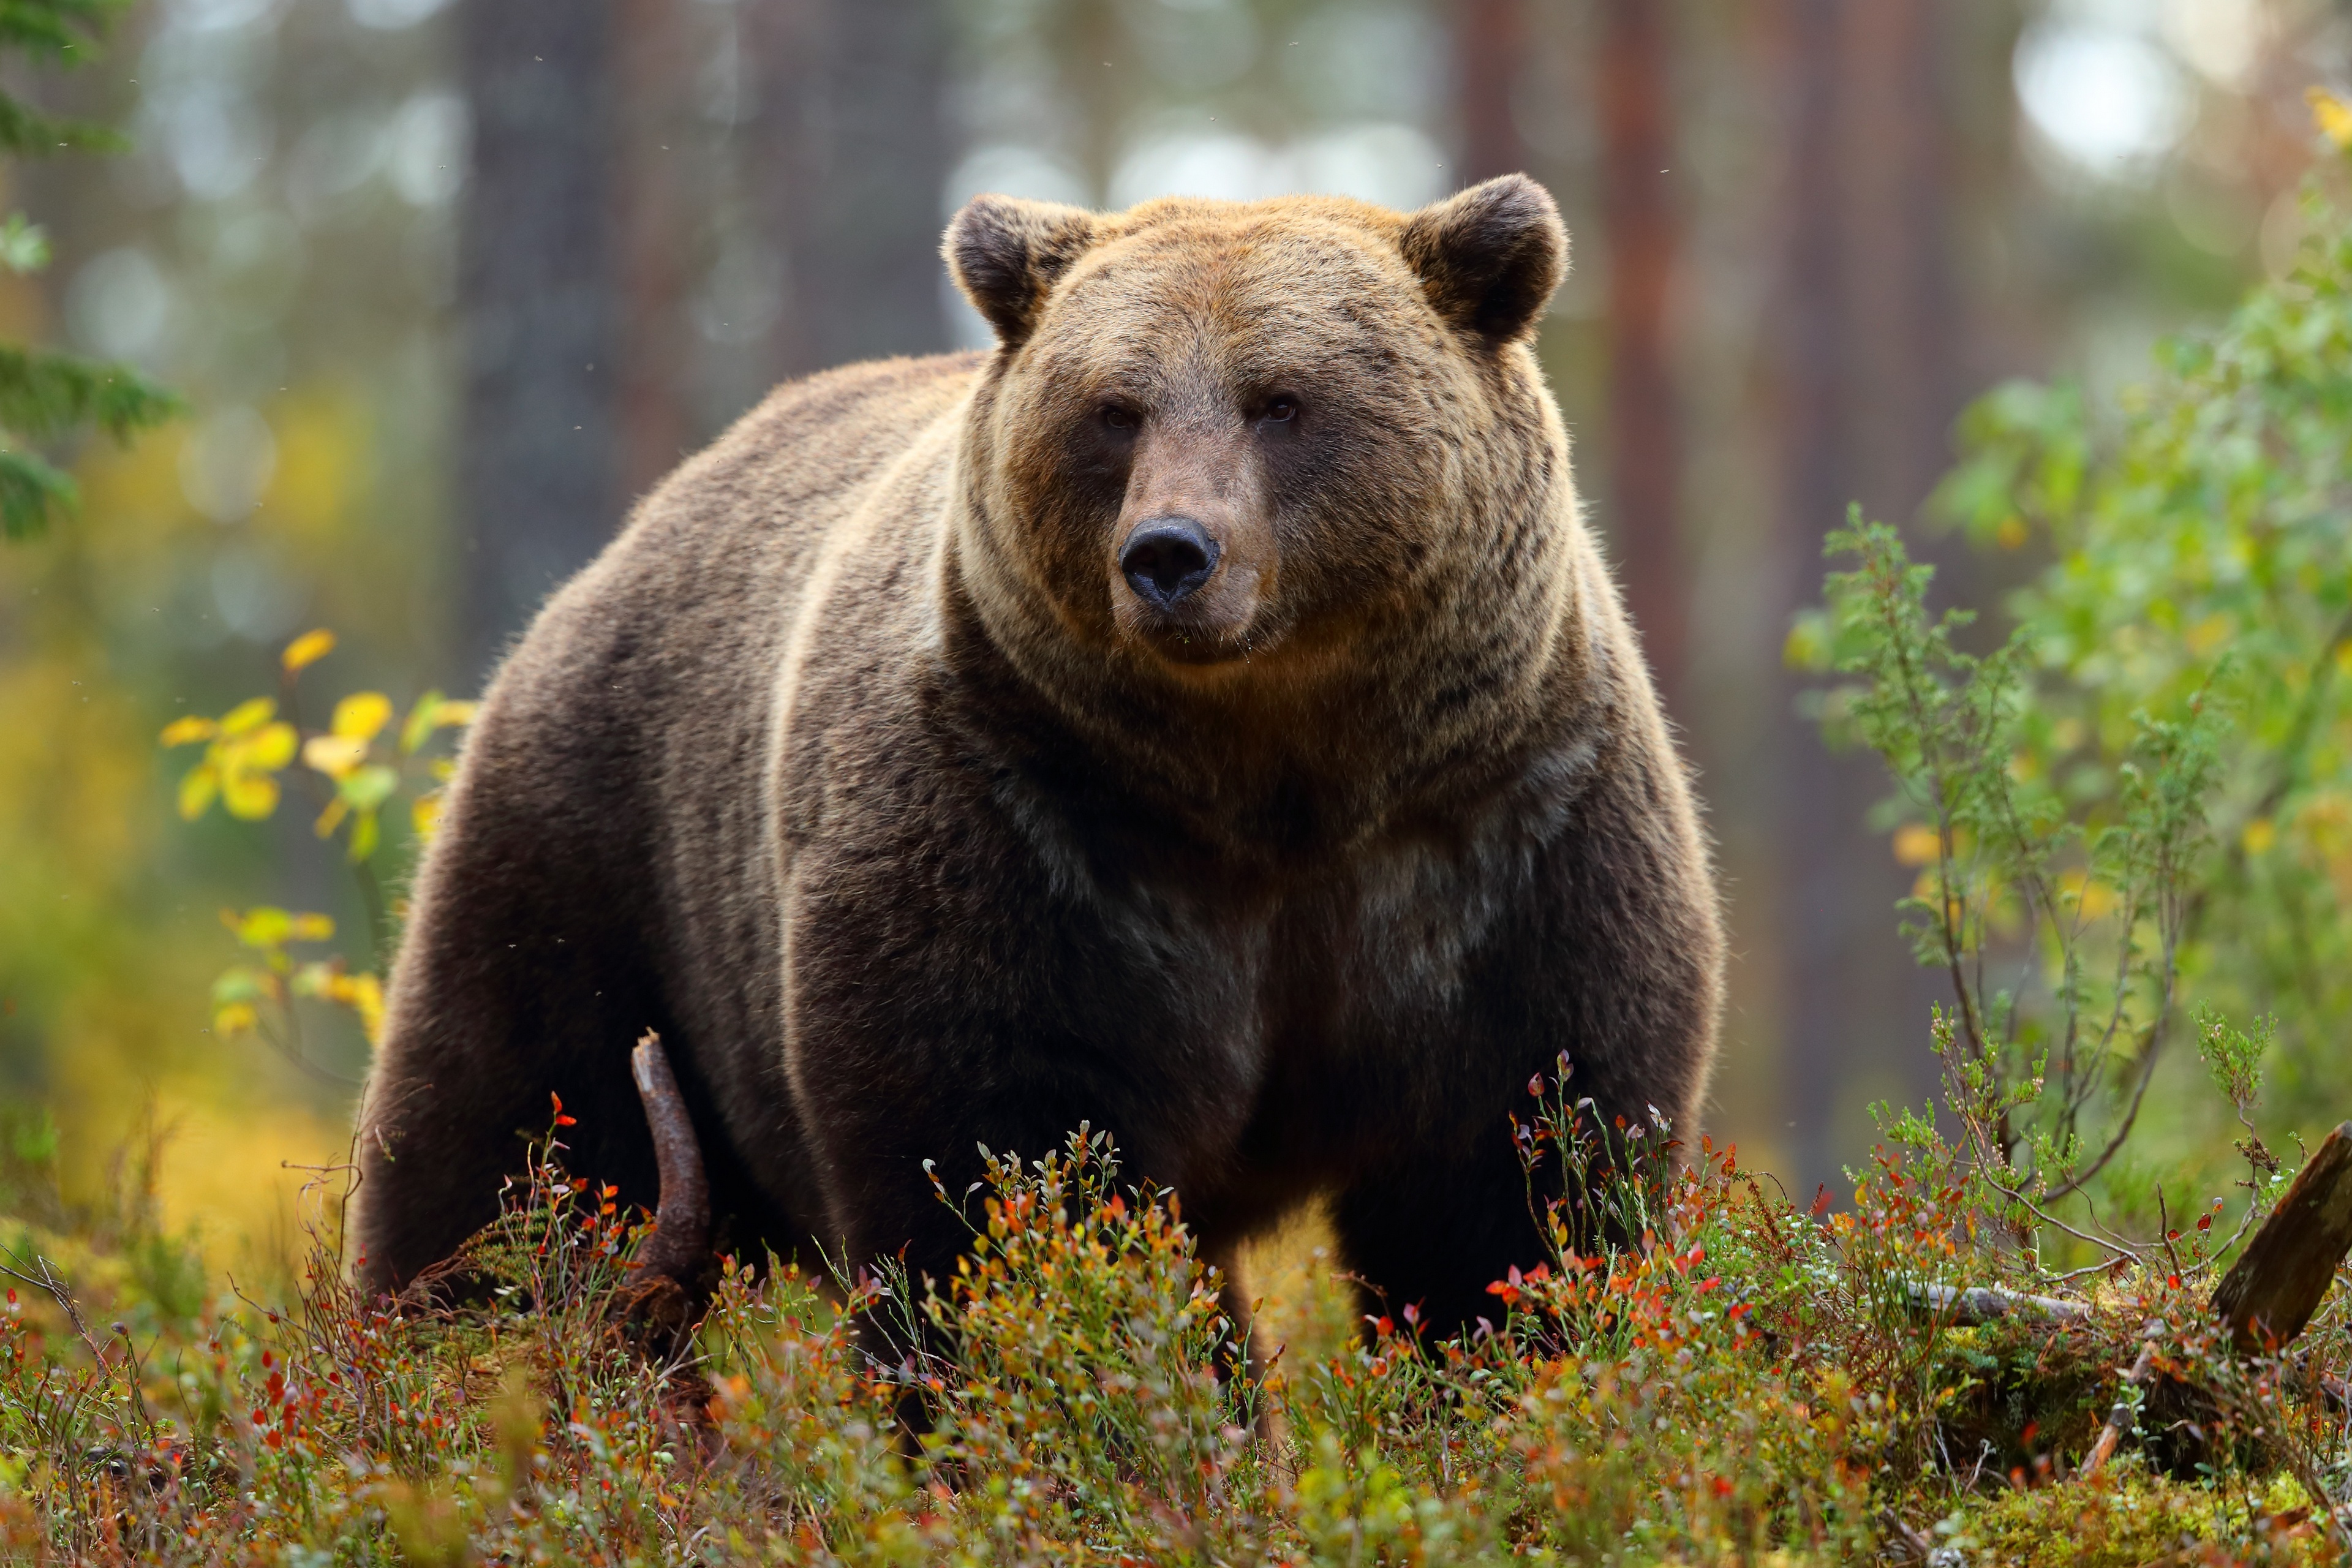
x,y
1977,1305
673,1263
2271,1292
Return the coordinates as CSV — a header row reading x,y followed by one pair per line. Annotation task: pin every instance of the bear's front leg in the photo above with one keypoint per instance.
x,y
1427,1233
1608,956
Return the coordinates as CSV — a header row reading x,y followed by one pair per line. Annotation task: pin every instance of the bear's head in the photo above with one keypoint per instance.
x,y
1220,440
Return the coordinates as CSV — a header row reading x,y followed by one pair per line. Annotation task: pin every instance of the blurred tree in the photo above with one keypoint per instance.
x,y
1641,446
1490,44
1865,384
604,173
654,61
853,116
538,464
1640,229
45,397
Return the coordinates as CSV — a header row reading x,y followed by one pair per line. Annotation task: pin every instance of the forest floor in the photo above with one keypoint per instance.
x,y
1738,1380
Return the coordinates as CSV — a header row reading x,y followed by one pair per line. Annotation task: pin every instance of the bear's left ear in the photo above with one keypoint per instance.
x,y
1490,256
1007,254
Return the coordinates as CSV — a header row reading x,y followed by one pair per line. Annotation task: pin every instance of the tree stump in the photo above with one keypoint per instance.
x,y
2271,1292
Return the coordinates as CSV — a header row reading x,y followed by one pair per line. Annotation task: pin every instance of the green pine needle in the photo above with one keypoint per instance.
x,y
44,395
30,487
35,134
47,397
61,28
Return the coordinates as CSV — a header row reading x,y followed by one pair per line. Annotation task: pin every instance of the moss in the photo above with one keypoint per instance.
x,y
2133,1518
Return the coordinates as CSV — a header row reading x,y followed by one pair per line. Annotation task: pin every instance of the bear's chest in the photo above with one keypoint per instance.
x,y
1333,967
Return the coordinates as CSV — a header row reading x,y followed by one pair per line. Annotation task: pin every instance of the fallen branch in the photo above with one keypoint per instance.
x,y
2121,1415
1979,1304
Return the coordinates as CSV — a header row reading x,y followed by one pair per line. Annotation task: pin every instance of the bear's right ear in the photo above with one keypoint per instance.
x,y
1489,256
1007,254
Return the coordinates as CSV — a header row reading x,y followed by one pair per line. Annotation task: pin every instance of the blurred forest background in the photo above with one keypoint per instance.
x,y
446,285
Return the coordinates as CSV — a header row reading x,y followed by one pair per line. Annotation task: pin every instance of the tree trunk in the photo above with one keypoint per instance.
x,y
854,111
1864,380
655,229
536,483
1490,46
1644,433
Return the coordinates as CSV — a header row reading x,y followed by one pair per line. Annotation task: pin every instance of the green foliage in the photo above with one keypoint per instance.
x,y
2055,901
2136,807
2200,554
45,396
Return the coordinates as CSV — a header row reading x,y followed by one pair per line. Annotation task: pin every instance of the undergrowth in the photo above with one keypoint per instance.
x,y
1735,1378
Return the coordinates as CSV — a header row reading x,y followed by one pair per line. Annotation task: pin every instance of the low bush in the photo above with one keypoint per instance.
x,y
1735,1379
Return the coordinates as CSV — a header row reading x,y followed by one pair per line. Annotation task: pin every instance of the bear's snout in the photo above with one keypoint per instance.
x,y
1166,559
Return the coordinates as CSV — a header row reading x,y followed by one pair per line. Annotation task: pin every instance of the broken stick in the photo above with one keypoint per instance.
x,y
679,1248
2120,1415
2271,1292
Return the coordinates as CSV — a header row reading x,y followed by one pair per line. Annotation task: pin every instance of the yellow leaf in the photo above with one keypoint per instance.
x,y
236,1018
197,788
425,815
246,716
422,722
366,999
2012,532
358,716
1807,646
2332,114
269,750
1917,844
2259,836
263,926
447,713
311,928
307,649
180,732
2206,635
364,835
334,755
250,796
332,817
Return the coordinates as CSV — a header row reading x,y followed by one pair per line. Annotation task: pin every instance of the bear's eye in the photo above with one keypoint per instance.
x,y
1280,410
1118,418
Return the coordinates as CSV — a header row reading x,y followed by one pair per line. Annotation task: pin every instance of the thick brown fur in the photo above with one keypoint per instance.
x,y
856,769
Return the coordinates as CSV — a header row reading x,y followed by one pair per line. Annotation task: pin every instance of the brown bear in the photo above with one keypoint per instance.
x,y
1204,716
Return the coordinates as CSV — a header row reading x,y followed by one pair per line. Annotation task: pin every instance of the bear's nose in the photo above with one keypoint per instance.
x,y
1167,559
